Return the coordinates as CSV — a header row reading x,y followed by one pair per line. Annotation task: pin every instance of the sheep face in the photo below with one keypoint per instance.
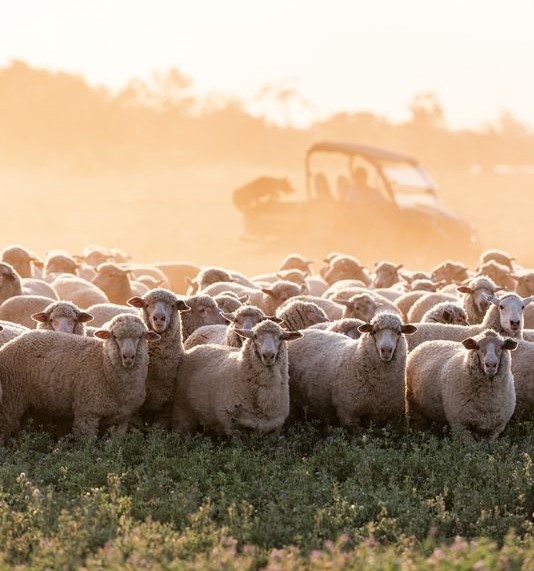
x,y
386,331
247,318
454,316
206,313
489,348
386,275
316,315
361,306
158,308
108,275
525,283
267,338
6,273
450,272
62,317
511,309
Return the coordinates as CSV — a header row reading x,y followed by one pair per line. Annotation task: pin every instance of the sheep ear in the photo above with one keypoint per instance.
x,y
190,282
345,302
274,319
291,335
464,289
152,336
268,291
490,298
527,300
470,344
243,299
102,334
365,328
375,264
399,267
303,288
136,301
84,317
180,305
230,317
41,317
510,344
245,333
408,329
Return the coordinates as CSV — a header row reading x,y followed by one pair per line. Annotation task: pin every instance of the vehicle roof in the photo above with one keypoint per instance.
x,y
372,153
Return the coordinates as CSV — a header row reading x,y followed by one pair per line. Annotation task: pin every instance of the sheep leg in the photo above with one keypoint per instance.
x,y
85,426
120,427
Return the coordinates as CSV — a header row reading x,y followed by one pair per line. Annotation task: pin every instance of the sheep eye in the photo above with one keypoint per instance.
x,y
501,306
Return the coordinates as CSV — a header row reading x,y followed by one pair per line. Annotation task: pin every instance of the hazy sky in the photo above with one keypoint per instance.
x,y
476,55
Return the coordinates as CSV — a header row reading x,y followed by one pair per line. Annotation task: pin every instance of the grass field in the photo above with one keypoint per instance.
x,y
387,499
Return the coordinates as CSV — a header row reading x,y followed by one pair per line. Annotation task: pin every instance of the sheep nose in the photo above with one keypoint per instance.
x,y
491,366
268,357
386,353
128,359
514,324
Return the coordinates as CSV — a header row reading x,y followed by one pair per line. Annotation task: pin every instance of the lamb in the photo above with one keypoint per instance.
x,y
450,272
19,309
246,317
470,390
104,384
299,314
160,310
227,390
21,260
62,316
475,301
104,312
386,275
337,379
203,311
497,256
427,302
505,316
114,282
79,291
446,312
500,274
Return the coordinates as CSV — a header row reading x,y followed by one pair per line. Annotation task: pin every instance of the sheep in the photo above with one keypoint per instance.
x,y
497,256
211,275
104,312
148,270
62,316
469,390
406,301
525,282
149,282
79,291
505,316
177,274
427,302
19,309
337,379
366,305
500,274
299,314
448,312
332,309
9,331
296,262
203,310
523,373
343,267
386,275
227,390
103,384
114,282
450,272
315,285
95,255
21,260
343,285
228,303
475,302
246,317
119,256
422,285
57,263
10,284
161,311
34,286
347,326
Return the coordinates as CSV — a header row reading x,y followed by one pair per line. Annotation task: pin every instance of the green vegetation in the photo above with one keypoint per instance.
x,y
383,500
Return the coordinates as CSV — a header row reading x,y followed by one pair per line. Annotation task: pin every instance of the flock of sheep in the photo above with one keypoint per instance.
x,y
96,344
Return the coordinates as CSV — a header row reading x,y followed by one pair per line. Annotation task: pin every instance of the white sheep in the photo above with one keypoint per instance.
x,y
299,314
227,390
9,331
103,385
505,316
160,310
448,312
500,274
347,326
475,300
468,385
337,379
450,272
104,312
22,260
386,275
332,309
114,282
62,316
426,303
203,310
19,309
79,291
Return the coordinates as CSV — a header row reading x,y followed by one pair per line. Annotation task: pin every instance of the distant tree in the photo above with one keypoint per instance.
x,y
427,111
283,101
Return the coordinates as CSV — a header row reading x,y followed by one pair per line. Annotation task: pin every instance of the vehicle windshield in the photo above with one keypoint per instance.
x,y
410,184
